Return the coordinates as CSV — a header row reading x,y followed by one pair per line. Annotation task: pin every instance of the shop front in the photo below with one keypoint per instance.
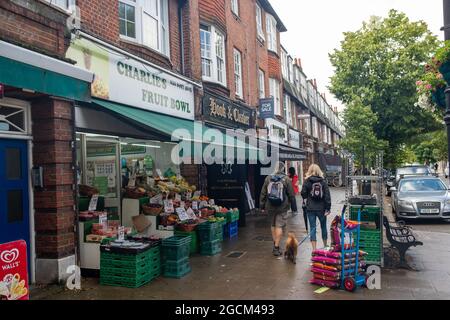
x,y
37,98
231,180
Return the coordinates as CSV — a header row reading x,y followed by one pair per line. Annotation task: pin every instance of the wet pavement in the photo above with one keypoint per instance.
x,y
258,275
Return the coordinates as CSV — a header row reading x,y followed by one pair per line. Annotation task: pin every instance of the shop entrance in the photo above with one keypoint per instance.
x,y
14,192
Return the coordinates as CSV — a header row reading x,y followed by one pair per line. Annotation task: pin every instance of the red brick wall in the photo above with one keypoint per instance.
x,y
100,18
54,211
38,27
213,11
274,65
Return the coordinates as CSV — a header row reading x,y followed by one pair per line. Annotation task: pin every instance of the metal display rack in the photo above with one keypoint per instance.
x,y
349,192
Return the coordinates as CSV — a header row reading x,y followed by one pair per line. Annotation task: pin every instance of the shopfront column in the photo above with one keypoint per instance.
x,y
54,203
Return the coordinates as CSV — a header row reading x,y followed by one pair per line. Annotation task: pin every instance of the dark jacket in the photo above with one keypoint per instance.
x,y
265,204
313,204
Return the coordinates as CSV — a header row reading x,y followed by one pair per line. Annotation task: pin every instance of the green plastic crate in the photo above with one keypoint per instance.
x,y
176,248
130,273
210,248
374,235
132,259
232,216
369,244
117,281
368,214
176,269
210,231
194,239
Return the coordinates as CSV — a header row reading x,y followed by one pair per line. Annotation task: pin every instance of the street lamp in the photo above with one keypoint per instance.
x,y
446,30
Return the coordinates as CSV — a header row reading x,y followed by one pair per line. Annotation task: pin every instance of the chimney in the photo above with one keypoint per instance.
x,y
298,62
315,83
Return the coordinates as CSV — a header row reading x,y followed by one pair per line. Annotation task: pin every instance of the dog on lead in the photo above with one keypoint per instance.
x,y
291,248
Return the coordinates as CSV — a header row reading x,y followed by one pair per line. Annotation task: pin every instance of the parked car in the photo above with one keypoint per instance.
x,y
421,197
389,181
407,171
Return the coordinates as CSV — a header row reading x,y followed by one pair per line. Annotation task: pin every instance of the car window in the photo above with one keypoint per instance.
x,y
422,185
413,170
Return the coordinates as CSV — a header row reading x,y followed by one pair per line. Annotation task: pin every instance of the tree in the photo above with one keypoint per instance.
x,y
380,64
358,121
431,147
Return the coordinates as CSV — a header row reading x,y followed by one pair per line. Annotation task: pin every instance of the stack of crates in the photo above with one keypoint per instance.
x,y
194,247
370,239
175,253
130,270
210,235
230,230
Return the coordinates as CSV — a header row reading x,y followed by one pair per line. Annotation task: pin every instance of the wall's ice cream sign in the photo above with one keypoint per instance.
x,y
122,79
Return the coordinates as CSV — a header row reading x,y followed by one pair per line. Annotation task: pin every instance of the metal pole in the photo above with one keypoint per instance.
x,y
446,7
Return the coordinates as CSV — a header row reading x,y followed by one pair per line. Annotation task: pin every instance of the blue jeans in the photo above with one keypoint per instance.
x,y
312,215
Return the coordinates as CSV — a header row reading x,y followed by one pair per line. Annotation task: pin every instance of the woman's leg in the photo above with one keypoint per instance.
x,y
323,227
312,228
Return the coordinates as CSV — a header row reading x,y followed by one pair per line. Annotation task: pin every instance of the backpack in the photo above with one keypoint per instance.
x,y
317,191
276,191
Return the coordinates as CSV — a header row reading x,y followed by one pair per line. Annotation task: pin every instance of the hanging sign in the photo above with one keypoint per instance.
x,y
191,214
93,203
14,271
266,108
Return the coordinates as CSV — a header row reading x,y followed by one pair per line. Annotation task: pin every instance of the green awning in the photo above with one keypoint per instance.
x,y
22,75
175,129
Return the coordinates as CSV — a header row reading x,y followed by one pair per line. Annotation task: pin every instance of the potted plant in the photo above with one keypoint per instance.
x,y
432,86
441,60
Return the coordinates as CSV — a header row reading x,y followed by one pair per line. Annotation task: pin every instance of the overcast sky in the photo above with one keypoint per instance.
x,y
315,27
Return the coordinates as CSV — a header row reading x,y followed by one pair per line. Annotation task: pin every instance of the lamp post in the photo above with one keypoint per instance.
x,y
446,30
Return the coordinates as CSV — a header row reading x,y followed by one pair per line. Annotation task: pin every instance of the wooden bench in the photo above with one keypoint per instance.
x,y
402,238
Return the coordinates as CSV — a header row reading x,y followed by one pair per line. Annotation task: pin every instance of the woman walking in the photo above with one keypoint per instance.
x,y
294,179
316,193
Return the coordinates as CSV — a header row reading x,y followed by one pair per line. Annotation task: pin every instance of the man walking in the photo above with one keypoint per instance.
x,y
277,195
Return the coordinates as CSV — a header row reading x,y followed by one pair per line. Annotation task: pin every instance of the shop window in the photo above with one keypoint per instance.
x,y
14,205
63,4
238,73
212,43
146,22
13,168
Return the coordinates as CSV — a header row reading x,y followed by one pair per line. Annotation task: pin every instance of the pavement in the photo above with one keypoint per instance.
x,y
257,275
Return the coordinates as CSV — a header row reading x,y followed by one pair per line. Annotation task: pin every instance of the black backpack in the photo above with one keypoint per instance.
x,y
276,191
317,191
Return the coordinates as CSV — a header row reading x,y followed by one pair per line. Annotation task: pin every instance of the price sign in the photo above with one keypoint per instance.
x,y
211,202
203,204
181,212
191,214
188,195
93,203
121,233
103,220
168,206
197,193
178,197
182,204
159,173
194,205
14,271
158,199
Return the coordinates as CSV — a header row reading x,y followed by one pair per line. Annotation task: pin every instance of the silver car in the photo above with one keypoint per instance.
x,y
421,197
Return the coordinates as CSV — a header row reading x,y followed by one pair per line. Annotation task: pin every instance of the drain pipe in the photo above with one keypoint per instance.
x,y
181,4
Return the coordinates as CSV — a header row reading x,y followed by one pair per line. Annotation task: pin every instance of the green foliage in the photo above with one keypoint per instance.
x,y
380,64
358,122
442,55
431,147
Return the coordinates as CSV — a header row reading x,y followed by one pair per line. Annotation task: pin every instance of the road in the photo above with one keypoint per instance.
x,y
259,275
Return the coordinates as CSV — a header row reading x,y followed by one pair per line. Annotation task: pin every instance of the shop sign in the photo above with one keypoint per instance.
x,y
278,131
122,79
225,112
266,108
294,138
14,271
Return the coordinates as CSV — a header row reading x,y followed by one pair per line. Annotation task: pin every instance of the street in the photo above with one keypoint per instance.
x,y
259,275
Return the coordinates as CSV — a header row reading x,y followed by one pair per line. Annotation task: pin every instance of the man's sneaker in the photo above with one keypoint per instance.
x,y
276,251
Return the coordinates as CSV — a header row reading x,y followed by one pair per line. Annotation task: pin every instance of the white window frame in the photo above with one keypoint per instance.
x,y
284,64
261,84
161,17
290,66
275,93
235,7
238,73
294,120
217,57
260,22
272,36
287,109
69,6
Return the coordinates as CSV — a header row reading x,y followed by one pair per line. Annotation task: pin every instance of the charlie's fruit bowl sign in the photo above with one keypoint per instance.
x,y
13,271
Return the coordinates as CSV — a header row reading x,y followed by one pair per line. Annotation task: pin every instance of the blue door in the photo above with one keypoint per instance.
x,y
14,192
